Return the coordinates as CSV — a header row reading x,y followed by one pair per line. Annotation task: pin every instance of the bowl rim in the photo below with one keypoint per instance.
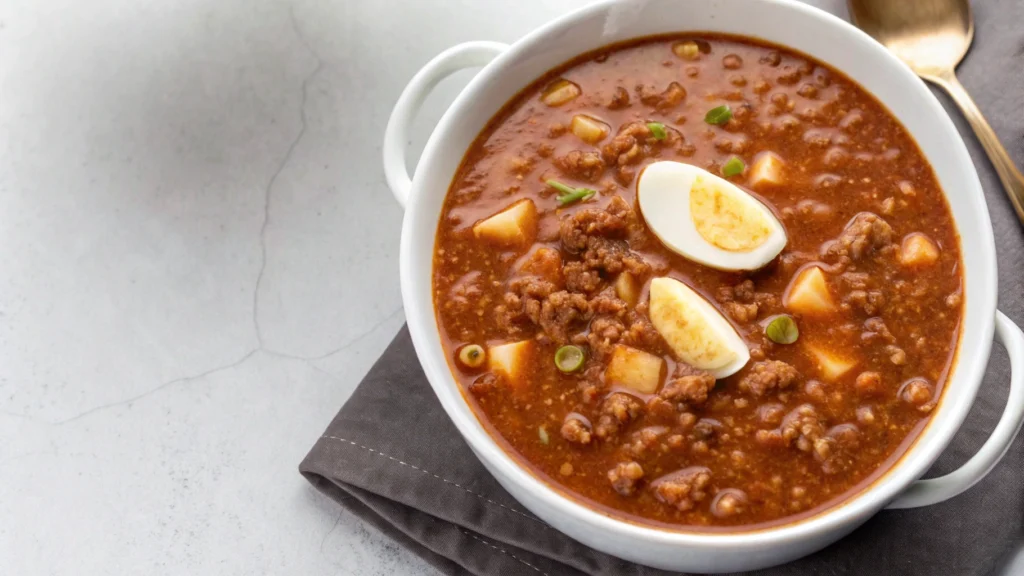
x,y
965,380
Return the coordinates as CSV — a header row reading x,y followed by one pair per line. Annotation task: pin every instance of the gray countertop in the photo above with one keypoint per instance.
x,y
199,264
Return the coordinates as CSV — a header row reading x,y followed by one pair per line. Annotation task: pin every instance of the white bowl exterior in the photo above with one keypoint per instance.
x,y
785,22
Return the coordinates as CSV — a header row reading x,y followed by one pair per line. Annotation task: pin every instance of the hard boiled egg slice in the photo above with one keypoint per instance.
x,y
708,219
696,332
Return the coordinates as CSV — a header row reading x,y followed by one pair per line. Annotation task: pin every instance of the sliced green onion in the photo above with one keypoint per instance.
x,y
472,355
560,187
569,194
733,167
718,115
657,130
544,439
569,358
782,330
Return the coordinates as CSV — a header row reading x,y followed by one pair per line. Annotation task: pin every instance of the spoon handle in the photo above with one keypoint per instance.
x,y
1011,178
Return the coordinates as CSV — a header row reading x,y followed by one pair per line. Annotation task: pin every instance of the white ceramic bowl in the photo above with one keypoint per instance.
x,y
508,69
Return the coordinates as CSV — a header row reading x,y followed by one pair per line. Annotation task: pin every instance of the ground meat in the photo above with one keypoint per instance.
x,y
625,476
617,410
861,293
614,221
587,166
466,291
576,429
875,330
644,440
866,234
801,427
742,302
683,489
664,100
768,375
691,390
613,257
742,313
620,99
604,333
868,383
579,278
559,312
534,301
835,450
633,143
918,393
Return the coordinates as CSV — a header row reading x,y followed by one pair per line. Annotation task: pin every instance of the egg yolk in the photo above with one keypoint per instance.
x,y
726,220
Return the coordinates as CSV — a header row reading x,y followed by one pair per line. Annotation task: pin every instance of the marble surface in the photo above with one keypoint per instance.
x,y
200,262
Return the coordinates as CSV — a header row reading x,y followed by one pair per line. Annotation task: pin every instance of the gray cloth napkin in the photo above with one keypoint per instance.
x,y
393,458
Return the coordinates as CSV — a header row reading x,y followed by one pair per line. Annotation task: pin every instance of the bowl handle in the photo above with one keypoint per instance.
x,y
935,490
466,55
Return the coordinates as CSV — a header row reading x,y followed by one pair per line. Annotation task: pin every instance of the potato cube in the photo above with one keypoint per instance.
x,y
808,293
634,369
588,129
767,170
510,360
688,50
513,226
560,92
918,250
543,262
830,365
627,288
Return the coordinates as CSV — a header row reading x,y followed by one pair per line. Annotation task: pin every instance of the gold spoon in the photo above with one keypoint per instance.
x,y
932,36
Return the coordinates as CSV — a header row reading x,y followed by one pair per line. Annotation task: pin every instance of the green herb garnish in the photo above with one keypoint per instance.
x,y
569,358
569,194
733,167
782,330
718,115
657,130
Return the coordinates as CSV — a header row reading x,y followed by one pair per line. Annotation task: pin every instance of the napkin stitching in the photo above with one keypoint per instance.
x,y
503,551
456,484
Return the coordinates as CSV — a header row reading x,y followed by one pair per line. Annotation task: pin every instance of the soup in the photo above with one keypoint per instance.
x,y
699,281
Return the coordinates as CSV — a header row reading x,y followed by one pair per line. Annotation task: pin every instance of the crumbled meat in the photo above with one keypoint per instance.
x,y
802,426
866,234
868,383
632,144
743,303
532,300
625,476
691,389
587,166
617,411
576,429
836,448
466,291
559,311
706,429
664,100
620,99
768,375
614,221
868,301
579,278
643,440
918,393
604,333
875,329
742,313
683,489
612,257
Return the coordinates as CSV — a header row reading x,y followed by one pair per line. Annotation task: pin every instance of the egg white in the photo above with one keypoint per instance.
x,y
663,193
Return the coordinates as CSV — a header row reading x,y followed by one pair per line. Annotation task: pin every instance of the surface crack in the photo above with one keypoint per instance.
x,y
160,387
268,191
